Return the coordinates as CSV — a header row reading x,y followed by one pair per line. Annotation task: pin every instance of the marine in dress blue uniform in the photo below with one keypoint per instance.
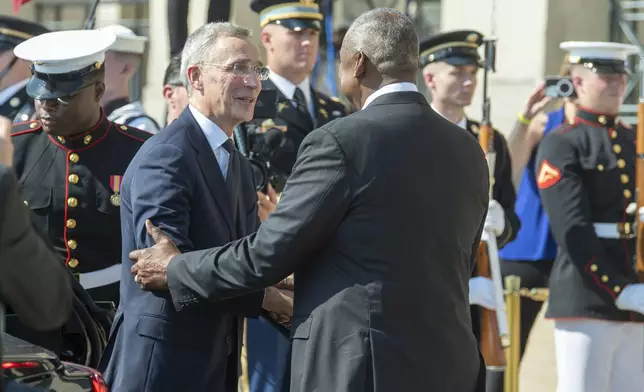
x,y
70,178
585,176
15,103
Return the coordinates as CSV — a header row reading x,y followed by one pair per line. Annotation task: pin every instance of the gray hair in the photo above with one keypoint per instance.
x,y
200,45
388,38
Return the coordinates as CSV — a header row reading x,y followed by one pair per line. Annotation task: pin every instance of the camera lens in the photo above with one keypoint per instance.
x,y
564,88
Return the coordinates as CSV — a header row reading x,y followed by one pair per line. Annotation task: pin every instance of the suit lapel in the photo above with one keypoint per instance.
x,y
209,168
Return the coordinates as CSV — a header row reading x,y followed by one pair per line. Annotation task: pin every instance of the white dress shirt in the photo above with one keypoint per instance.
x,y
288,89
390,88
461,123
11,91
216,138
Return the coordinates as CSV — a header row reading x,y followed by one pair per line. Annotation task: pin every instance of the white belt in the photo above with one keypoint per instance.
x,y
613,230
90,280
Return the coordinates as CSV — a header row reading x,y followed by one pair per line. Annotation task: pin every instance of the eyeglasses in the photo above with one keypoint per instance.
x,y
244,70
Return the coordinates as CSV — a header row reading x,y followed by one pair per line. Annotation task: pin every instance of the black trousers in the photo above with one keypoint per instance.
x,y
218,11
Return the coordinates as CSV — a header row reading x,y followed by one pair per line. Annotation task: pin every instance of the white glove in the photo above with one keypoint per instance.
x,y
495,219
641,213
482,292
631,298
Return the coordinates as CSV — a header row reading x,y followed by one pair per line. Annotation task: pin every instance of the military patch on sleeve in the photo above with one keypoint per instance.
x,y
548,175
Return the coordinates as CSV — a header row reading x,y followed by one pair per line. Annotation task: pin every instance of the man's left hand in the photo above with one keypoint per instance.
x,y
495,219
150,264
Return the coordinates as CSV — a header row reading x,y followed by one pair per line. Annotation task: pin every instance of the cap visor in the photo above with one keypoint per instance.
x,y
610,69
300,24
461,60
43,90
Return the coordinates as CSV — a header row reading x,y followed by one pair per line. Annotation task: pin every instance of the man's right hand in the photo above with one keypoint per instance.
x,y
279,305
631,298
482,292
6,144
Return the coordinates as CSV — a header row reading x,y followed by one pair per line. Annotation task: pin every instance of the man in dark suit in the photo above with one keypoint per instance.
x,y
15,103
33,282
380,221
191,181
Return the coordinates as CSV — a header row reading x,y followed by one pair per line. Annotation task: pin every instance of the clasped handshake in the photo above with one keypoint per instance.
x,y
150,266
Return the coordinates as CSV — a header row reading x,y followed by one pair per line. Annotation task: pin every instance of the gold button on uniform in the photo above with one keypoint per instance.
x,y
73,178
72,202
617,289
33,125
627,194
604,278
593,267
61,139
71,223
613,134
617,148
72,263
621,163
87,139
74,158
123,127
600,167
72,244
26,203
624,178
601,120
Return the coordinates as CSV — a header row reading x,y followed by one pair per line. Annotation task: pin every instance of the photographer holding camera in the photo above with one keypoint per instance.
x,y
287,109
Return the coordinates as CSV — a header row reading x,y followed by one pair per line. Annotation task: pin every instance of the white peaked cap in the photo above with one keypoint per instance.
x,y
598,50
126,40
61,52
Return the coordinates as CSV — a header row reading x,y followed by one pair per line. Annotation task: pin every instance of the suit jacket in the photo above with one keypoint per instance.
x,y
33,282
175,181
380,221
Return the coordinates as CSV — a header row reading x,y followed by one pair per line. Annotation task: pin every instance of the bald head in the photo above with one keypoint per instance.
x,y
387,38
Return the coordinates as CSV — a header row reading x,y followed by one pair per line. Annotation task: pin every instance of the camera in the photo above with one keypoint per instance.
x,y
262,143
559,87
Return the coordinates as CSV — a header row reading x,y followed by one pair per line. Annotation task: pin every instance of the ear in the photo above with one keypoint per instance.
x,y
99,91
428,78
168,92
577,82
194,77
359,67
265,39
